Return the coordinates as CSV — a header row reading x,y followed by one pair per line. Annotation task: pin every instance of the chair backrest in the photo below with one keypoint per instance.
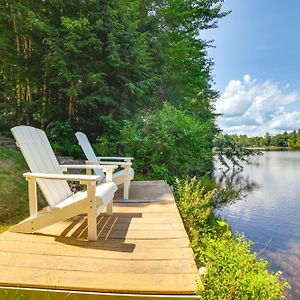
x,y
88,151
40,158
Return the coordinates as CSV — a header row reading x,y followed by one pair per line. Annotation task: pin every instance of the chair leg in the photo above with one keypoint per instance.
x,y
109,208
92,227
126,189
92,211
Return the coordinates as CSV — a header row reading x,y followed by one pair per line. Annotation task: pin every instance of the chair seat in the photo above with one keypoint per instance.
x,y
104,194
118,177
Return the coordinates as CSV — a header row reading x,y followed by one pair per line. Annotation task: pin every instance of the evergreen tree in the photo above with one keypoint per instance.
x,y
95,64
298,139
292,140
267,139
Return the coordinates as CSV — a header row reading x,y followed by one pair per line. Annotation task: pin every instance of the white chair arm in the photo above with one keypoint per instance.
x,y
116,163
87,167
126,159
108,167
84,179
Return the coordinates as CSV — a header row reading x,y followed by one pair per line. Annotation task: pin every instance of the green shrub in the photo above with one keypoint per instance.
x,y
62,138
233,271
165,143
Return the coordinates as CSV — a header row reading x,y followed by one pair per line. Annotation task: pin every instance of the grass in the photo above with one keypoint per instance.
x,y
3,228
13,187
15,294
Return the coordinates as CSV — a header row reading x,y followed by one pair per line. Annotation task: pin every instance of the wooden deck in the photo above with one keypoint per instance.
x,y
142,249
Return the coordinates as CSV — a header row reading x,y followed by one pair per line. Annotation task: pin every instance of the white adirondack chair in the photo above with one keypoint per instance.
x,y
47,173
120,177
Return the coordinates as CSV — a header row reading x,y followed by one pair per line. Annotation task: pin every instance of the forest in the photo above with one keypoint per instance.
x,y
128,73
285,139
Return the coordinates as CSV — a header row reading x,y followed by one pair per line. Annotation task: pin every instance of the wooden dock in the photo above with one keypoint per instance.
x,y
142,251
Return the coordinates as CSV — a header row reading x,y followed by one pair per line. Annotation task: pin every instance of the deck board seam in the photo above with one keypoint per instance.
x,y
95,257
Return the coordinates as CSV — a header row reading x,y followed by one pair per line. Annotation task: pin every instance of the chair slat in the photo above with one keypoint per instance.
x,y
60,187
40,158
88,151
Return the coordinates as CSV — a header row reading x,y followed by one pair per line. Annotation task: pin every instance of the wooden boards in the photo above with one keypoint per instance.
x,y
143,248
156,190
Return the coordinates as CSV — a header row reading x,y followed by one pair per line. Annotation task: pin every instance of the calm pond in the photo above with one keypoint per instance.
x,y
269,214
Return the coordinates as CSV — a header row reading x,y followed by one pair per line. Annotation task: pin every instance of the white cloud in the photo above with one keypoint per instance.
x,y
253,108
286,121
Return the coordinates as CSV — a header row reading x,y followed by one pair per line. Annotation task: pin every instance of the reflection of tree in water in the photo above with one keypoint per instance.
x,y
233,186
254,163
236,179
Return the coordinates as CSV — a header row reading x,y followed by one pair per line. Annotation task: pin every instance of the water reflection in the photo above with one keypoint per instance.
x,y
235,178
270,211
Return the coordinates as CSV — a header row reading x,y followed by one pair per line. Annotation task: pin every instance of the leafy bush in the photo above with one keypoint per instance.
x,y
166,143
233,272
62,138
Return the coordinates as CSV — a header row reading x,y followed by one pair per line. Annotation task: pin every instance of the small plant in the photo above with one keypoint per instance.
x,y
233,271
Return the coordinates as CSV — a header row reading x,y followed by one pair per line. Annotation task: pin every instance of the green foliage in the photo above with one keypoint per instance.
x,y
236,273
96,64
166,143
13,187
233,271
266,141
62,139
281,140
106,68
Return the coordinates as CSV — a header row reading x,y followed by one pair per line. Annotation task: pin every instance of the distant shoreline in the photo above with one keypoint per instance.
x,y
274,149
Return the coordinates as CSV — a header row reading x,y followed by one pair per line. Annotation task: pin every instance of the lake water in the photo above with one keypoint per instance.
x,y
269,214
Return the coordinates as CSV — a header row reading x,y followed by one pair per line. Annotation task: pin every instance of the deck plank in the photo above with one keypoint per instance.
x,y
99,282
58,249
142,248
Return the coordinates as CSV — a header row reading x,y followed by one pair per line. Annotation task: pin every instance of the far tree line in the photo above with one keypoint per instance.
x,y
283,140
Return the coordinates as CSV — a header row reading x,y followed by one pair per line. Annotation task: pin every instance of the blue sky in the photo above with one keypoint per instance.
x,y
257,66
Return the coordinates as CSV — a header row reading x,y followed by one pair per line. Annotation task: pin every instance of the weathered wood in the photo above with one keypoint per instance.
x,y
97,265
123,245
151,191
59,249
111,282
141,249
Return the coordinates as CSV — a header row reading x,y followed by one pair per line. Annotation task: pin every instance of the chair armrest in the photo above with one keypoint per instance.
x,y
64,168
107,169
116,163
126,159
84,179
